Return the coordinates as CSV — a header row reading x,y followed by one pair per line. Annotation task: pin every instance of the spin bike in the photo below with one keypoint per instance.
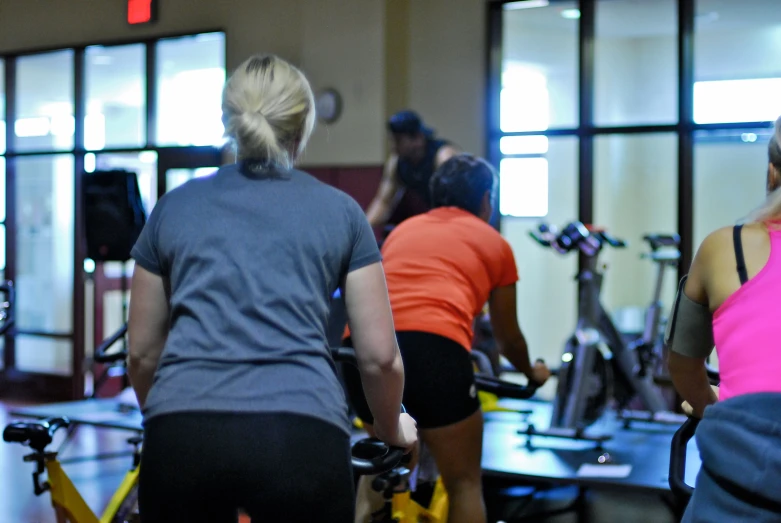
x,y
588,379
370,456
414,496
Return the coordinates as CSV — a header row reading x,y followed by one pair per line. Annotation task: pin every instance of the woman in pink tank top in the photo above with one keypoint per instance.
x,y
735,285
737,275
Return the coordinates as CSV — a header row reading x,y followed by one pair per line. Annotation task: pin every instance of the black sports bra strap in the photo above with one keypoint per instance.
x,y
739,254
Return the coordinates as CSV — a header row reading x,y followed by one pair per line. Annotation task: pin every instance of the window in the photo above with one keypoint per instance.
x,y
635,62
44,102
2,107
44,242
116,99
524,99
539,66
190,79
524,184
731,101
523,177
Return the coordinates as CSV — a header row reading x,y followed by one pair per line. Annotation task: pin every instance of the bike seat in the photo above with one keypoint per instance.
x,y
35,434
657,241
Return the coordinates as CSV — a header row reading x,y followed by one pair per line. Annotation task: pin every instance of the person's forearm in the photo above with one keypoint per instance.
x,y
377,214
694,387
383,385
141,372
517,353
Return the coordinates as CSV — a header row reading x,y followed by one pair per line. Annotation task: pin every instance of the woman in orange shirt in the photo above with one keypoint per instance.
x,y
441,268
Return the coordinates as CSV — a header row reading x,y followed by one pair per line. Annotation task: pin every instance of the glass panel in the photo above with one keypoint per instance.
x,y
524,183
539,67
44,102
724,31
523,145
547,278
44,355
636,62
2,189
752,100
190,78
730,176
44,243
144,164
114,316
635,193
2,107
176,177
116,98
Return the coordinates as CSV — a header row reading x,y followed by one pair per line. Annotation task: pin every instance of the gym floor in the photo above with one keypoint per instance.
x,y
96,480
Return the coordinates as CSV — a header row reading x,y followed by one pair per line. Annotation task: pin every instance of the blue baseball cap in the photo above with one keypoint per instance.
x,y
408,122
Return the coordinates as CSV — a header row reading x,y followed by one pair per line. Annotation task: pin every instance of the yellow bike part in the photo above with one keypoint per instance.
x,y
69,504
65,497
406,510
129,482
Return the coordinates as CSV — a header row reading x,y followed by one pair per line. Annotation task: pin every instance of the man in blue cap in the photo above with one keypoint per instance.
x,y
417,153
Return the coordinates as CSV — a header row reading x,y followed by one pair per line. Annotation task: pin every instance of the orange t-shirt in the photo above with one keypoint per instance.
x,y
441,267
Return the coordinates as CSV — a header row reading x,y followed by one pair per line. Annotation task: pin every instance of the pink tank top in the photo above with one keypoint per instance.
x,y
747,331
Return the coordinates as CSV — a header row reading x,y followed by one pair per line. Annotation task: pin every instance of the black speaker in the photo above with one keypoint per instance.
x,y
114,214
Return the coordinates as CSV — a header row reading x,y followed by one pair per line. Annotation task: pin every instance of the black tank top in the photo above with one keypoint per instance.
x,y
416,177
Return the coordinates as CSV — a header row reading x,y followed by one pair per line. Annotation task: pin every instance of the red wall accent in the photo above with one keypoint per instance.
x,y
361,183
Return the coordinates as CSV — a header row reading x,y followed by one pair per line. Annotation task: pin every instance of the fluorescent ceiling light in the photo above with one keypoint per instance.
x,y
571,14
528,4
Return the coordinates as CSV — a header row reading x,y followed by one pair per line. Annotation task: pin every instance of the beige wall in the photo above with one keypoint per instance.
x,y
342,47
346,44
447,68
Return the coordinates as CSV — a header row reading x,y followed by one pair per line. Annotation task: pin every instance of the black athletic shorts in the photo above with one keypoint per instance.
x,y
439,381
277,467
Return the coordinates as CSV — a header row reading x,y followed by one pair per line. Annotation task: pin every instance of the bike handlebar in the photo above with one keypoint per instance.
x,y
611,240
101,355
505,389
677,473
370,456
657,241
575,236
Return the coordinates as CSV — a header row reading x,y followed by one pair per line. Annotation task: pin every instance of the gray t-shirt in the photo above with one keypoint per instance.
x,y
253,259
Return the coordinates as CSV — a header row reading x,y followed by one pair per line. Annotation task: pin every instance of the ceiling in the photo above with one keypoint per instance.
x,y
647,18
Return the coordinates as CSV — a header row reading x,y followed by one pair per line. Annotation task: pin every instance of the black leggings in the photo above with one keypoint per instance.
x,y
278,468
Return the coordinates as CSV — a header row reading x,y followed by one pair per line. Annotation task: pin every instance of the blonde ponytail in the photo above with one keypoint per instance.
x,y
771,209
268,110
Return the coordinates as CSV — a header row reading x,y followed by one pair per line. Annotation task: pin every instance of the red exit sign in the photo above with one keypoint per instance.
x,y
141,11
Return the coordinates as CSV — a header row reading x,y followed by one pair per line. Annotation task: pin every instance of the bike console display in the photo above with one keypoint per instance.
x,y
575,236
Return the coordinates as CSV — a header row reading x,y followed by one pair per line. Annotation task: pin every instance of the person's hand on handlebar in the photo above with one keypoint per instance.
x,y
406,436
540,373
689,410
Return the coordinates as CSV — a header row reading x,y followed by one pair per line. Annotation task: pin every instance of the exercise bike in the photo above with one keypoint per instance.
x,y
414,496
649,346
370,456
588,378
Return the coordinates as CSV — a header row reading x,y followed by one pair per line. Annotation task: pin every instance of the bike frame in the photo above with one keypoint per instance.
x,y
70,507
594,326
